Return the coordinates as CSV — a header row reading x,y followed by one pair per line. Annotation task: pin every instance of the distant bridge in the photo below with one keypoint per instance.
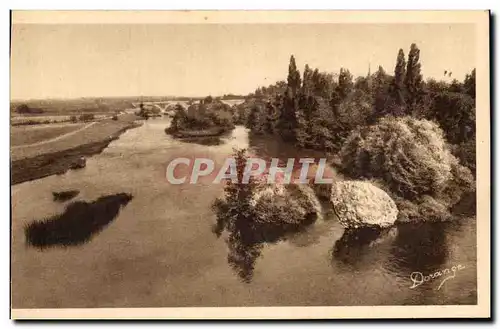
x,y
163,105
160,105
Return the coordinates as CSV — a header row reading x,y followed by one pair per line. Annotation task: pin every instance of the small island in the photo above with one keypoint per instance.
x,y
210,118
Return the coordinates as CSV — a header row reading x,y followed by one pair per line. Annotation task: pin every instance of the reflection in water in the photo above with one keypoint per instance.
x,y
355,245
242,256
207,141
413,247
78,224
419,247
466,207
196,276
247,238
267,148
256,213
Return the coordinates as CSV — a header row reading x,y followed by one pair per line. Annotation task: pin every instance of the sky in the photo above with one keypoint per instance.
x,y
93,60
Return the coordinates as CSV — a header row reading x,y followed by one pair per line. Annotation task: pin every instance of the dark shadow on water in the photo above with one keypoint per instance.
x,y
78,224
268,146
65,195
407,247
210,139
245,243
207,141
355,246
466,206
420,247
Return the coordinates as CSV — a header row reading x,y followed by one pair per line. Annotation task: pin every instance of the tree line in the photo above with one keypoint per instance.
x,y
319,109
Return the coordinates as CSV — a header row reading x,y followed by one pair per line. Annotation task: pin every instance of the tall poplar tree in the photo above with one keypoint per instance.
x,y
342,89
288,115
413,80
398,87
307,80
293,79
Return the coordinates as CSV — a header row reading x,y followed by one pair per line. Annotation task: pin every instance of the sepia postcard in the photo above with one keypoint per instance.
x,y
250,164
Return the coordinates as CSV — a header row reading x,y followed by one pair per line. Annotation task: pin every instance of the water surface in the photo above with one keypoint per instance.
x,y
160,250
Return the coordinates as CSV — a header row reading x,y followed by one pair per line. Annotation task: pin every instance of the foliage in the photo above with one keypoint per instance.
x,y
235,211
262,206
256,213
208,115
25,109
411,161
410,155
398,128
293,80
426,209
469,86
397,88
466,152
413,81
456,114
87,117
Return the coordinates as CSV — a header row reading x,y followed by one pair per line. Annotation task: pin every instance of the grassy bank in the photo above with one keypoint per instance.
x,y
33,134
58,162
98,132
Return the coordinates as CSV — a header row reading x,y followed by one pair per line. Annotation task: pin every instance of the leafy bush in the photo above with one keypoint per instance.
x,y
265,207
409,155
354,111
425,209
456,114
285,207
256,213
211,116
410,160
25,109
466,152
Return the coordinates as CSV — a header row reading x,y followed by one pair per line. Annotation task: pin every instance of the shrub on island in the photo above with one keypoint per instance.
x,y
413,164
201,120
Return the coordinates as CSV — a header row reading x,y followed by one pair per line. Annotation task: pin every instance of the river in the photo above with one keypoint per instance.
x,y
160,250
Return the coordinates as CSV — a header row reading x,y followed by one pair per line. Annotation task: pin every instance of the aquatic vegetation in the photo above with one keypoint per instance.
x,y
78,224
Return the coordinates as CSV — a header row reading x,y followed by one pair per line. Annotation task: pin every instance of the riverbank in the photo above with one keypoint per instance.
x,y
57,158
212,132
160,250
26,136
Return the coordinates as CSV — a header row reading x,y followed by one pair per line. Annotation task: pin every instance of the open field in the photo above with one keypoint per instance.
x,y
98,132
24,135
72,106
56,157
67,107
48,119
